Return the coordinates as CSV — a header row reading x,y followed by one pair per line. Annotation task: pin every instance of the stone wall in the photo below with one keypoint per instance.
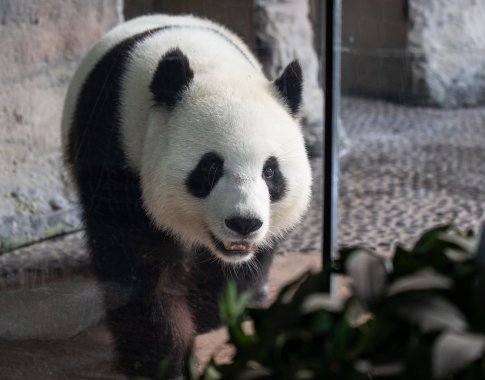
x,y
237,15
284,33
374,60
42,42
427,52
446,43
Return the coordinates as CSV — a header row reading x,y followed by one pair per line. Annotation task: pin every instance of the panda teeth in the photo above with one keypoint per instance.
x,y
239,246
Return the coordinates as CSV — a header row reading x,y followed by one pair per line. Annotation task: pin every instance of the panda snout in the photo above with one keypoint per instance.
x,y
243,226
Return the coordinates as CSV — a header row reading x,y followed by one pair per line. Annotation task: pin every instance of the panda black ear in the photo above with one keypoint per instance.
x,y
172,76
290,85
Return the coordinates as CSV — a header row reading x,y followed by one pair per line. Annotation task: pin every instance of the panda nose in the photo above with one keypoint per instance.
x,y
243,226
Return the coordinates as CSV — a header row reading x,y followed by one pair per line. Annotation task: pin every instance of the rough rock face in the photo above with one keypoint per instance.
x,y
42,42
427,52
447,44
284,33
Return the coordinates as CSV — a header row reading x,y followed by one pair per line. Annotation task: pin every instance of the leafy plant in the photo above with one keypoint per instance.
x,y
419,315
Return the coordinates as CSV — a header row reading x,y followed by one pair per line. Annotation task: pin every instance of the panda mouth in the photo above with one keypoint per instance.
x,y
234,248
243,246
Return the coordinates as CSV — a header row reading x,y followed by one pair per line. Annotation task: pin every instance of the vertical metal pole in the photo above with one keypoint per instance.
x,y
330,151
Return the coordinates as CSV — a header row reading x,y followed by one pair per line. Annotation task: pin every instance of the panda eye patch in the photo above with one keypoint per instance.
x,y
274,179
203,178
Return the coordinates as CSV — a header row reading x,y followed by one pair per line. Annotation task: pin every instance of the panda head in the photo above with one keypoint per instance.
x,y
224,164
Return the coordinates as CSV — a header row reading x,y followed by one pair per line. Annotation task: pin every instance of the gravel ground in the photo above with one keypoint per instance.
x,y
407,169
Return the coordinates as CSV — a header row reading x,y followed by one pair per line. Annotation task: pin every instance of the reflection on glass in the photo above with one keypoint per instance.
x,y
185,167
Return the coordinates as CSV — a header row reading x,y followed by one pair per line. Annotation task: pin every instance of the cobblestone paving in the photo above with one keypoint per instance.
x,y
407,169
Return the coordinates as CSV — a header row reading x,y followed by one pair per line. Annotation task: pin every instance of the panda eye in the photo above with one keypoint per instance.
x,y
274,179
268,172
203,178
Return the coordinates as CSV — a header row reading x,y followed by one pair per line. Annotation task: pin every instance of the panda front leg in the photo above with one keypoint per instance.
x,y
210,277
146,307
150,331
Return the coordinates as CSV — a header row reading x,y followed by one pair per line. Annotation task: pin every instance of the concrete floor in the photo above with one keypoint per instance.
x,y
408,169
57,332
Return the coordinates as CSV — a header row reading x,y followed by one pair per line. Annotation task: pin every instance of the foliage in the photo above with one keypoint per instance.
x,y
419,315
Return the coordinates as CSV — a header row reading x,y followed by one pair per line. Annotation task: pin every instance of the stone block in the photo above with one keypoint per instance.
x,y
447,47
427,52
374,55
284,33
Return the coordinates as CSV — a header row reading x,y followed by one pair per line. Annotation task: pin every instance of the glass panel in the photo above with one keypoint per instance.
x,y
412,107
148,137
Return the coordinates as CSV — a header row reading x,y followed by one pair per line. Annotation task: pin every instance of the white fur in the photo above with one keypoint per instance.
x,y
229,108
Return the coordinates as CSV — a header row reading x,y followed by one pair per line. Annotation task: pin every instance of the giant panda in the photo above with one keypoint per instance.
x,y
190,165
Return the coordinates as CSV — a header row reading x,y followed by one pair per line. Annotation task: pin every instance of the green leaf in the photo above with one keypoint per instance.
x,y
322,324
404,263
232,305
232,309
453,351
480,253
478,301
381,334
466,243
192,372
344,341
323,302
429,312
418,355
313,283
211,372
305,334
425,279
288,291
344,253
368,275
428,239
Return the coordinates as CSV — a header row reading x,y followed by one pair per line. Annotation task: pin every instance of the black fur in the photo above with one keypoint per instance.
x,y
172,77
290,85
205,175
168,294
276,182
